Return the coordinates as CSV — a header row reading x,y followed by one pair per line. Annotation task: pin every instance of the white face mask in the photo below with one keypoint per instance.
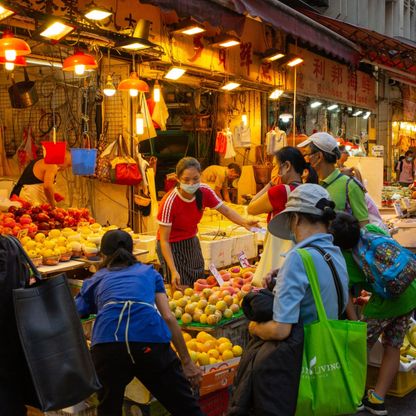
x,y
188,188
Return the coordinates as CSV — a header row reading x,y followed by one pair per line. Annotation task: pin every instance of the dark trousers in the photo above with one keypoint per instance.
x,y
156,366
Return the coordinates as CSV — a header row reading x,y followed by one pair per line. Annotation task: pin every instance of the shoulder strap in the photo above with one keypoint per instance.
x,y
325,185
337,282
313,282
288,191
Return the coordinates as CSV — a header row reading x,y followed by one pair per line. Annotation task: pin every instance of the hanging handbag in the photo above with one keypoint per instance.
x,y
334,362
53,341
125,170
103,166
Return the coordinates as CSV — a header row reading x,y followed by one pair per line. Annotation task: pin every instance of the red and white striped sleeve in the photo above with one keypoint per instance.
x,y
210,198
166,207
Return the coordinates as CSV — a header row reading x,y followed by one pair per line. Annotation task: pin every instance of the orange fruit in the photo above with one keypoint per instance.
x,y
214,353
188,291
186,318
227,355
237,351
203,359
221,306
186,337
177,295
203,318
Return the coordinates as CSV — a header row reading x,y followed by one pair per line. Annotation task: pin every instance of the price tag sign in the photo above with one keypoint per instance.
x,y
243,260
216,274
398,209
406,201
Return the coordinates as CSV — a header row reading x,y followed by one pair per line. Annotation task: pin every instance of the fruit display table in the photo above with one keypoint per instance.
x,y
63,267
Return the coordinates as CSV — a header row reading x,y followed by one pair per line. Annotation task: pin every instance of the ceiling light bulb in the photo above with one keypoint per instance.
x,y
333,107
190,31
57,31
9,66
5,13
97,14
294,62
229,43
156,92
244,119
109,88
366,115
175,73
275,95
285,117
274,57
357,113
133,92
316,104
230,86
79,69
139,124
10,54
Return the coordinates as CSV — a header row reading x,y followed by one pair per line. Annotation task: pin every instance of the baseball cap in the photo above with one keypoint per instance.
x,y
115,239
307,198
323,141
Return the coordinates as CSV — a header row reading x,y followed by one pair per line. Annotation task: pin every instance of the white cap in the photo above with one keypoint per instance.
x,y
323,141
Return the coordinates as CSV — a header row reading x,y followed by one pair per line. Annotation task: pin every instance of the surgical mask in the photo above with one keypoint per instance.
x,y
190,189
280,173
409,159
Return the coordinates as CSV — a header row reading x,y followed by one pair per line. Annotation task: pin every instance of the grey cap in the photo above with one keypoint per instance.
x,y
305,199
323,141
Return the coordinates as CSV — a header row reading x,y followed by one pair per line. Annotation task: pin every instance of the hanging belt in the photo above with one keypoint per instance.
x,y
127,304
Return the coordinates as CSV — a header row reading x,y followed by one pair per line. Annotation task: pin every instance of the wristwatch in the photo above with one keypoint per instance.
x,y
271,183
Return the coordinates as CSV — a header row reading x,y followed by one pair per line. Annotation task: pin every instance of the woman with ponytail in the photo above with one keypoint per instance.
x,y
180,212
291,167
133,330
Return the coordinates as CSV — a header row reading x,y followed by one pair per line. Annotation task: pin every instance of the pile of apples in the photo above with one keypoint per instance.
x,y
207,307
235,279
206,349
41,218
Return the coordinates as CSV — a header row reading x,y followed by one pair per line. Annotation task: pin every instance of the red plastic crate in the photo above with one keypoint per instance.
x,y
215,404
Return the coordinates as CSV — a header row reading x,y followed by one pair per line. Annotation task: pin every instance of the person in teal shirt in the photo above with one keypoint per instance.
x,y
386,317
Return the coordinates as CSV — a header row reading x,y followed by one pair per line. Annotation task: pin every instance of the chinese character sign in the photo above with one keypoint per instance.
x,y
327,79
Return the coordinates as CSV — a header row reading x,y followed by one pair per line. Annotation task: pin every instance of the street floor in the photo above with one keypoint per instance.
x,y
396,406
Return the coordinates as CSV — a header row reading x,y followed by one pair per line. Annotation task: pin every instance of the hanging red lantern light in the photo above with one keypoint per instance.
x,y
19,61
133,84
79,62
11,47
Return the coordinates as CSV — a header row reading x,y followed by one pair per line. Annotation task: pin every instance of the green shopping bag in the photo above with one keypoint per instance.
x,y
334,364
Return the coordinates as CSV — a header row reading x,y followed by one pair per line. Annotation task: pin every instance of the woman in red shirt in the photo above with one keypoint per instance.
x,y
272,199
180,212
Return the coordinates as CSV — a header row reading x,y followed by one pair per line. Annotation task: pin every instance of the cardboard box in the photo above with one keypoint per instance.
x,y
148,243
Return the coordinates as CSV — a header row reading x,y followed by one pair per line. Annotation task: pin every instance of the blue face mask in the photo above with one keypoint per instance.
x,y
190,189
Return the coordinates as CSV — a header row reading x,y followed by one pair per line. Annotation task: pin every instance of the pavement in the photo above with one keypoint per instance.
x,y
399,406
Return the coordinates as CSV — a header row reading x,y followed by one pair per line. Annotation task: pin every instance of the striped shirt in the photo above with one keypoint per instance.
x,y
182,214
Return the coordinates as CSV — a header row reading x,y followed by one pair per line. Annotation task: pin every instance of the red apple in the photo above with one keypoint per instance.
x,y
25,219
9,222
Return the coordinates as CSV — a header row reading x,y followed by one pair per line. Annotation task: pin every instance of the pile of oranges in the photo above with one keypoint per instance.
x,y
205,349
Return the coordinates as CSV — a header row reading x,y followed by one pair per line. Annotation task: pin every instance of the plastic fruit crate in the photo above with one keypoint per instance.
x,y
215,404
404,382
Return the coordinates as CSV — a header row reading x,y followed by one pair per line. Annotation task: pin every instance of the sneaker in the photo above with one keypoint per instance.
x,y
374,408
360,407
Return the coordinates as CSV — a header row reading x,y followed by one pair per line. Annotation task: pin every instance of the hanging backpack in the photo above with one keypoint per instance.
x,y
388,267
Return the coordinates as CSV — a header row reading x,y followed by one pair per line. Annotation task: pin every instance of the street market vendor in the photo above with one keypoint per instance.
x,y
180,211
37,182
216,177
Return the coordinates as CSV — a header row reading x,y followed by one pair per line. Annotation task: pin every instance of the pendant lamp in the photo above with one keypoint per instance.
x,y
11,47
133,84
9,65
79,62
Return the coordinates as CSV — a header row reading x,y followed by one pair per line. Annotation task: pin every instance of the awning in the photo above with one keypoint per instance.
x,y
387,52
229,14
300,26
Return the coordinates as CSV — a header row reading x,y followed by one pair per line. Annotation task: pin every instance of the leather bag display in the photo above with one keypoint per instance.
x,y
124,167
53,341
